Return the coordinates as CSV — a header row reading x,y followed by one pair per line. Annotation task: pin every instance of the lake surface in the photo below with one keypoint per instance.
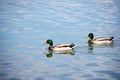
x,y
25,24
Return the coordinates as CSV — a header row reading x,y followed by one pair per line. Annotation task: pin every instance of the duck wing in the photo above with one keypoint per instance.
x,y
104,39
64,45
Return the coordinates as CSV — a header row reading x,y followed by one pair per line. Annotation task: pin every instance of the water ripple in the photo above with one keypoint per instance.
x,y
24,25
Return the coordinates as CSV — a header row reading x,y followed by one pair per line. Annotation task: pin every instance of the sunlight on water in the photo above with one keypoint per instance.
x,y
24,25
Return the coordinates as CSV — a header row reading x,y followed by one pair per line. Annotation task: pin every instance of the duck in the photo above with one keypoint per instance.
x,y
99,40
60,48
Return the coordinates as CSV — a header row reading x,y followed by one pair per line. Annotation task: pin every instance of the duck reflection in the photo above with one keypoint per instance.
x,y
91,46
50,53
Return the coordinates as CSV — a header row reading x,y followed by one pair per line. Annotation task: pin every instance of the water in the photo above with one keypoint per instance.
x,y
24,25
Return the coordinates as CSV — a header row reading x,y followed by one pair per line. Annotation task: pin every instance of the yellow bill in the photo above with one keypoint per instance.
x,y
44,42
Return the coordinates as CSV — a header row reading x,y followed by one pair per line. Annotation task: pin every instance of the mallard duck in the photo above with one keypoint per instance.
x,y
99,40
60,48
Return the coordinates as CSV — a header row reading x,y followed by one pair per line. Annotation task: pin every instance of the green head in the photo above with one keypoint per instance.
x,y
50,42
90,36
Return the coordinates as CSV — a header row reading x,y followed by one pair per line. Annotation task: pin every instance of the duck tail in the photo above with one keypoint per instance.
x,y
72,45
111,38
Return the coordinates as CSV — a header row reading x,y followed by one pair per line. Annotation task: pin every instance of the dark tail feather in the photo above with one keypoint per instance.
x,y
111,38
72,45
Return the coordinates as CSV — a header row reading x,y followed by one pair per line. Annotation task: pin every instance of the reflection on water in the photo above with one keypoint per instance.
x,y
25,24
50,53
91,46
92,49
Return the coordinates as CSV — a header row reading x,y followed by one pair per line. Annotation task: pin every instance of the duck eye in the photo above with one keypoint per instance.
x,y
48,41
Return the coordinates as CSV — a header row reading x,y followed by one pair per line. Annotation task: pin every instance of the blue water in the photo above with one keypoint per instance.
x,y
25,24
